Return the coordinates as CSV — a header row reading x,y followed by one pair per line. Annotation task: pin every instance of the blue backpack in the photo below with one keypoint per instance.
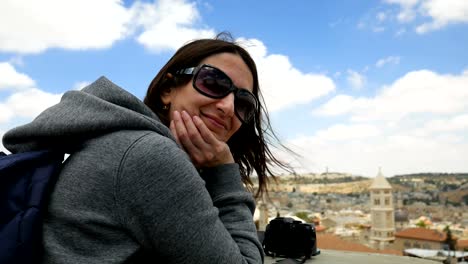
x,y
26,181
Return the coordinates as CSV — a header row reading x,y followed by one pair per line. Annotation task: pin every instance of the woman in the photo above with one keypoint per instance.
x,y
159,181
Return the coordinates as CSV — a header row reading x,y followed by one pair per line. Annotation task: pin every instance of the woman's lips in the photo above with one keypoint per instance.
x,y
216,121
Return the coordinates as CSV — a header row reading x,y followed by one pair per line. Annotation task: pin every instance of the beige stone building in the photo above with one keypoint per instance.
x,y
418,237
382,231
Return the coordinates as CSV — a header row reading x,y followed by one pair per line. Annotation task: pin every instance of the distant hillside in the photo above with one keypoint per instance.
x,y
440,181
330,182
450,186
322,178
361,186
423,175
456,196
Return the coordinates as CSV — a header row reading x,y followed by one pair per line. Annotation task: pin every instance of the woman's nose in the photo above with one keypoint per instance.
x,y
226,104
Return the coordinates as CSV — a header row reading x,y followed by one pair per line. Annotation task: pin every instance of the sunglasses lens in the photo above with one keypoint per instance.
x,y
213,82
216,84
245,105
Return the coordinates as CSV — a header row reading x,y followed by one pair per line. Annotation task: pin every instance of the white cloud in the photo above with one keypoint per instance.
x,y
405,3
356,80
76,25
6,113
80,85
406,15
25,101
416,124
443,12
31,102
396,153
343,104
456,123
415,93
388,60
34,26
283,85
407,12
168,24
341,132
440,12
11,79
2,148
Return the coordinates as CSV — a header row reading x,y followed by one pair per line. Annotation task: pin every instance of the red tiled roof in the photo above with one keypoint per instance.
x,y
422,234
329,241
462,244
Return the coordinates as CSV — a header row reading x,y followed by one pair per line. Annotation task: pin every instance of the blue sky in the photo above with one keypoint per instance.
x,y
351,85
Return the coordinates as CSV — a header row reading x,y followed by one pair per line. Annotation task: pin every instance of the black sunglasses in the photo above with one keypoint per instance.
x,y
214,83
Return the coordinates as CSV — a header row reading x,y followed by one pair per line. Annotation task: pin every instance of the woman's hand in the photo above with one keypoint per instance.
x,y
202,146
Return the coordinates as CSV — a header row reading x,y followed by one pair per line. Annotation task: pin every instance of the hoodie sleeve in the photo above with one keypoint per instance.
x,y
170,210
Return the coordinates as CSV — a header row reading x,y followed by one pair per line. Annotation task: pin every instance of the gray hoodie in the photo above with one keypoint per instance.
x,y
128,193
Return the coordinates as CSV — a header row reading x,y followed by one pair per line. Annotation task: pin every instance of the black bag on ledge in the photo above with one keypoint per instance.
x,y
286,237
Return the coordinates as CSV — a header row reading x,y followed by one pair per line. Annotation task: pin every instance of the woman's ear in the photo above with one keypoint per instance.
x,y
168,90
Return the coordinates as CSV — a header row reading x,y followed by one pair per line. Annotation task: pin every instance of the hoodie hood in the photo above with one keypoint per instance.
x,y
100,108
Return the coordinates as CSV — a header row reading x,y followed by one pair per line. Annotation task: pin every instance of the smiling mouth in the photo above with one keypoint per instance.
x,y
217,123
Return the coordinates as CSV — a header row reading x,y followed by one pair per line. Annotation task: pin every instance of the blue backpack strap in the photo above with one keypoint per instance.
x,y
26,181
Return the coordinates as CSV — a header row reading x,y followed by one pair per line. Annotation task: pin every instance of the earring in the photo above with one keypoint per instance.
x,y
165,107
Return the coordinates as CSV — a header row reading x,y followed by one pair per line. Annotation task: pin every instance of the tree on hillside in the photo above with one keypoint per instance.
x,y
304,216
465,199
422,224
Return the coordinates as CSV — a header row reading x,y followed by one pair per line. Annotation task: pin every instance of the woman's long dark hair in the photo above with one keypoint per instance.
x,y
250,144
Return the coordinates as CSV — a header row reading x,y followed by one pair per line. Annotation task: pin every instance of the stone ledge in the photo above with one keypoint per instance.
x,y
347,257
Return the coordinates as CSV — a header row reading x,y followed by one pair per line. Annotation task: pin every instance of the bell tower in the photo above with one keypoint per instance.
x,y
382,212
